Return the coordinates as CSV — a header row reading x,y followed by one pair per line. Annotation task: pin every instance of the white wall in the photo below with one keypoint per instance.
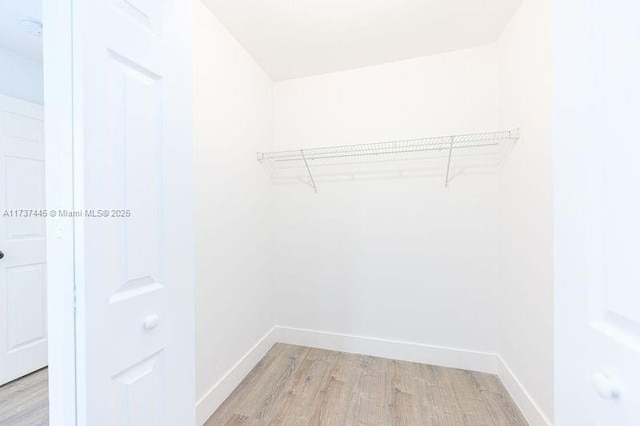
x,y
399,258
20,77
233,119
526,255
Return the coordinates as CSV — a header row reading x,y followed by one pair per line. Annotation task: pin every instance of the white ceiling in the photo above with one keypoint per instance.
x,y
296,38
13,35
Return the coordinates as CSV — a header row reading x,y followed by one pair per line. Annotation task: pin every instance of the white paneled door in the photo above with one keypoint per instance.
x,y
597,213
134,227
614,320
23,290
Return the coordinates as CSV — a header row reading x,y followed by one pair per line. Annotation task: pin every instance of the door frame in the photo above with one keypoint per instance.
x,y
59,154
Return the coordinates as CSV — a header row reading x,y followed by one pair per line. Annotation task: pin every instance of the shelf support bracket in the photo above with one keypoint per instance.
x,y
313,182
446,179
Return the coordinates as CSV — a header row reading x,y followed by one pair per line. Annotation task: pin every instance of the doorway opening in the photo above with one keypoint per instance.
x,y
23,218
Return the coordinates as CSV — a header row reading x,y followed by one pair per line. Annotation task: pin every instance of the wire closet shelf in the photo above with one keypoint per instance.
x,y
388,149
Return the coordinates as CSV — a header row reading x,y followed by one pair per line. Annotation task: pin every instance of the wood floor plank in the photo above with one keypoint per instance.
x,y
298,386
306,385
240,420
439,405
263,385
279,384
330,406
402,391
367,405
25,402
471,401
496,396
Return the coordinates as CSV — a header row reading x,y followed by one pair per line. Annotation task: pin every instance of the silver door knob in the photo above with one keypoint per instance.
x,y
1,255
151,322
605,386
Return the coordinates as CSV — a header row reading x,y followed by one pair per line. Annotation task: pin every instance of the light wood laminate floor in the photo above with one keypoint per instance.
x,y
300,386
25,401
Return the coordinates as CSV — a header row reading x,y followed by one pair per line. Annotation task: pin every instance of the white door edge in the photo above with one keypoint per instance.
x,y
58,112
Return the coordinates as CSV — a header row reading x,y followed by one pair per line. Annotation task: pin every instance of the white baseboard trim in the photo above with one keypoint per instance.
x,y
392,349
534,415
426,354
404,351
209,403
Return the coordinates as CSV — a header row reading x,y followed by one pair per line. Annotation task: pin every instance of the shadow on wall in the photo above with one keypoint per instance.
x,y
391,160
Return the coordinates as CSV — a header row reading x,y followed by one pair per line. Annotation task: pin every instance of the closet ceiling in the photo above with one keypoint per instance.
x,y
297,38
14,35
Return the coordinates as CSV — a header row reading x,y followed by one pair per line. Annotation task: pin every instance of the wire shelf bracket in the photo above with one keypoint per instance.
x,y
383,151
313,182
446,179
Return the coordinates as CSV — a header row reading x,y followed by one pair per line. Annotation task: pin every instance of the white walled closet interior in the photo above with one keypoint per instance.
x,y
383,262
